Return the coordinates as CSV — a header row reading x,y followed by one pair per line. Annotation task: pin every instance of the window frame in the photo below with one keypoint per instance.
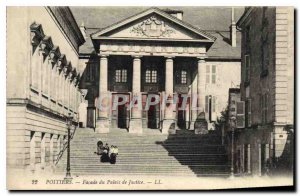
x,y
151,76
121,75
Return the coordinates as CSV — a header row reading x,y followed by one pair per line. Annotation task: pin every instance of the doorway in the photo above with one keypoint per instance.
x,y
183,105
153,113
120,114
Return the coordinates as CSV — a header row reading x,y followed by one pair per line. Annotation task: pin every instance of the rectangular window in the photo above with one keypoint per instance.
x,y
247,68
148,76
213,74
264,107
183,77
151,76
207,74
124,75
121,75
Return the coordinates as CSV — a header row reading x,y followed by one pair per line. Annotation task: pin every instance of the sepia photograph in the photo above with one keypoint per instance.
x,y
150,98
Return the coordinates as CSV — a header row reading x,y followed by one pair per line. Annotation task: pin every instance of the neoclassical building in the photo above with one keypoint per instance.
x,y
156,54
42,83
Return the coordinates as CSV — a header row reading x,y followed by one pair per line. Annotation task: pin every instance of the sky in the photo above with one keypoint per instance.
x,y
205,18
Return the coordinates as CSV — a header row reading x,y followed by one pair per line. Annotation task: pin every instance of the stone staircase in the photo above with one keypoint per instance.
x,y
182,154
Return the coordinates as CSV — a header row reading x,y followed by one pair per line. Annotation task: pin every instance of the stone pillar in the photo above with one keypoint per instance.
x,y
169,120
102,125
135,125
194,98
201,124
40,77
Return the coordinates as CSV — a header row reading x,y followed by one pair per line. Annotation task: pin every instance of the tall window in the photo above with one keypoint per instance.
x,y
207,74
211,74
151,76
121,75
210,103
91,72
264,107
247,68
181,77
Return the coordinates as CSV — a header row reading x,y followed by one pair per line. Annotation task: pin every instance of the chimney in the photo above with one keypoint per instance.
x,y
232,29
176,13
82,29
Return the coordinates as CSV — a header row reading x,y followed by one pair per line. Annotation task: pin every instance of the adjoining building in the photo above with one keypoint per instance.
x,y
267,89
42,83
157,54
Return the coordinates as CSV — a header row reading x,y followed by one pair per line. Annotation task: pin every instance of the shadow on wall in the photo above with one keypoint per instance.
x,y
203,154
284,165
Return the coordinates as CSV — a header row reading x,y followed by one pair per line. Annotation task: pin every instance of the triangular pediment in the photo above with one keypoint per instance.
x,y
153,24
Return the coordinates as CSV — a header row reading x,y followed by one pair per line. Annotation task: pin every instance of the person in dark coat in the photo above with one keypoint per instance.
x,y
113,154
105,156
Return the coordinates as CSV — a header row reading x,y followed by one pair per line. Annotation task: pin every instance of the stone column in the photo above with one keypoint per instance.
x,y
102,125
40,77
201,124
194,99
169,120
135,125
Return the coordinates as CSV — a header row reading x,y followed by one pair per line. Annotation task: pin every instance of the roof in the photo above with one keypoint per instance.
x,y
221,49
160,12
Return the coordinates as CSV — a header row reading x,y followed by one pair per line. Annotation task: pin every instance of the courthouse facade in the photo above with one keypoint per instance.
x,y
42,83
153,55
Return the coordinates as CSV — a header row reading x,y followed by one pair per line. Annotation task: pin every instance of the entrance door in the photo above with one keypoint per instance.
x,y
154,114
120,114
183,111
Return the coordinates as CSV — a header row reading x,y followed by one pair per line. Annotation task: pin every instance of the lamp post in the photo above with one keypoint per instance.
x,y
69,125
232,125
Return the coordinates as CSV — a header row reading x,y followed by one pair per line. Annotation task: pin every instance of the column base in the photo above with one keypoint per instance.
x,y
135,126
102,126
168,127
192,125
200,126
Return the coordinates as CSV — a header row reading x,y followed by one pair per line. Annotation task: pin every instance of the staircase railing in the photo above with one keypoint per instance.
x,y
65,145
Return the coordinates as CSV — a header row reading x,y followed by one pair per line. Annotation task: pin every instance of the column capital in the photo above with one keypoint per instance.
x,y
103,55
201,59
169,57
137,56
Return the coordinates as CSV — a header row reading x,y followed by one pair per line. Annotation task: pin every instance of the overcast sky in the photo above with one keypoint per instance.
x,y
206,18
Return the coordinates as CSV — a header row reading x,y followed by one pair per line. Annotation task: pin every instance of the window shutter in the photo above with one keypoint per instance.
x,y
206,103
213,74
207,74
213,114
240,114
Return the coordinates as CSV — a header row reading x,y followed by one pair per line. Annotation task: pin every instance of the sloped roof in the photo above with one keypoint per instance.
x,y
162,13
221,48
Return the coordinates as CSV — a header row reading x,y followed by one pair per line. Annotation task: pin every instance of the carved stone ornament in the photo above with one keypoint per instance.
x,y
54,54
36,33
46,45
62,62
67,69
152,27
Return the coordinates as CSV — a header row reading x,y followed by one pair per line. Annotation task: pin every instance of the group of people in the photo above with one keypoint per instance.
x,y
107,154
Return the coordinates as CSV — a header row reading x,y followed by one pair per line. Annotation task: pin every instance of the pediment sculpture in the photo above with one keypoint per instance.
x,y
152,27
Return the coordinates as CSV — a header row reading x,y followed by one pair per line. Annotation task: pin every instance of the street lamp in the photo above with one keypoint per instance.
x,y
232,125
69,125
